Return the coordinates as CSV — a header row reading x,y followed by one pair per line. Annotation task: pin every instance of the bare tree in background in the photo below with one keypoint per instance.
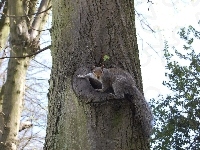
x,y
21,23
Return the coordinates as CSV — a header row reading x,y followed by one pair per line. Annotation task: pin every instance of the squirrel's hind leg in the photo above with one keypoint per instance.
x,y
118,91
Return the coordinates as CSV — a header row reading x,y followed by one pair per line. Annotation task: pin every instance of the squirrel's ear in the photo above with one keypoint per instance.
x,y
93,67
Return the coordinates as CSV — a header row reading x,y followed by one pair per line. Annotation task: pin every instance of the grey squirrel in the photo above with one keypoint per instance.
x,y
124,86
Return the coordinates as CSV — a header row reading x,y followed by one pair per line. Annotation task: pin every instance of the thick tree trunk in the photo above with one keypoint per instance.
x,y
84,33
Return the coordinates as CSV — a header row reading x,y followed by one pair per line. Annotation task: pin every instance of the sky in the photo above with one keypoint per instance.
x,y
165,17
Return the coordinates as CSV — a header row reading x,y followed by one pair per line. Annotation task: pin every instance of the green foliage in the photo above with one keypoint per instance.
x,y
177,116
106,57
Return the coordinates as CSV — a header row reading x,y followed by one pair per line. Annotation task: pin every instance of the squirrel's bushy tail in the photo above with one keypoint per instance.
x,y
143,116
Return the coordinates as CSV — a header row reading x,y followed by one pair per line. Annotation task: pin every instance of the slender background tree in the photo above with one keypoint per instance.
x,y
23,25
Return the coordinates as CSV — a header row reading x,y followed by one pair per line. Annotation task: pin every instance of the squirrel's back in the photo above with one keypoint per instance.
x,y
112,74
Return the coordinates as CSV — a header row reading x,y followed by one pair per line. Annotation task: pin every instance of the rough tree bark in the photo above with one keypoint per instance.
x,y
22,43
85,32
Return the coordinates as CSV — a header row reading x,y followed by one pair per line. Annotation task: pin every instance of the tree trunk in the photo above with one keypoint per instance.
x,y
12,99
22,45
12,92
4,27
85,33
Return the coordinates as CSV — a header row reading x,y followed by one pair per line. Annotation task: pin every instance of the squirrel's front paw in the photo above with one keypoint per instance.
x,y
80,76
99,90
111,96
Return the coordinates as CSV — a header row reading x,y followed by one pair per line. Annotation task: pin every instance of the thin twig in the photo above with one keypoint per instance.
x,y
40,30
144,22
27,14
42,64
150,2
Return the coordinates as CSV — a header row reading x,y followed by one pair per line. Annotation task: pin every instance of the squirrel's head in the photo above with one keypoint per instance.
x,y
98,72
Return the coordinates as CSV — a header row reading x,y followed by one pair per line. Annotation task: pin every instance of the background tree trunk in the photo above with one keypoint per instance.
x,y
13,90
4,26
22,44
84,33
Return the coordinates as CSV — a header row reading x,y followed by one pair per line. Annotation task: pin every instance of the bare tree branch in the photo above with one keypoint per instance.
x,y
41,30
41,64
2,4
39,18
30,54
25,125
144,21
150,2
27,14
